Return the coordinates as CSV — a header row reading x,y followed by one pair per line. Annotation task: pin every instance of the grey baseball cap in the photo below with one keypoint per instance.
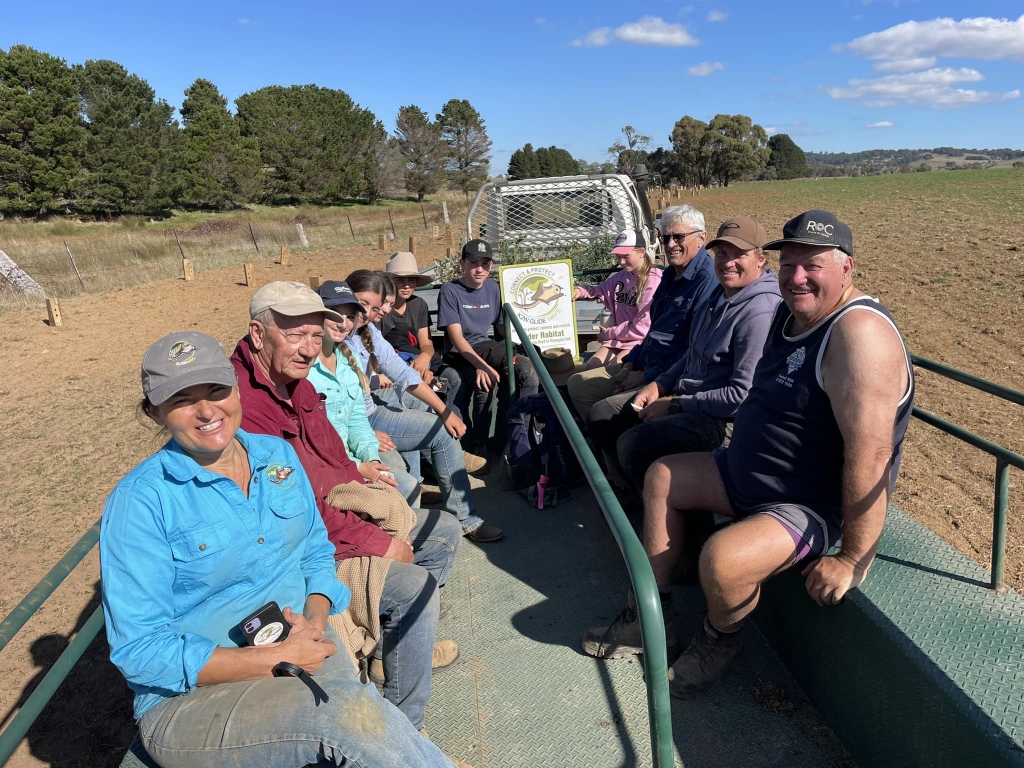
x,y
289,298
182,360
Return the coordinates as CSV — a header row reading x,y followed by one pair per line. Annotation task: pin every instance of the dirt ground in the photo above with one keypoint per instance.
x,y
948,261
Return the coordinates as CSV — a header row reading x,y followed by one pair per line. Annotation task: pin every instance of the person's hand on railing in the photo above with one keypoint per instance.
x,y
455,426
487,378
656,410
648,395
577,293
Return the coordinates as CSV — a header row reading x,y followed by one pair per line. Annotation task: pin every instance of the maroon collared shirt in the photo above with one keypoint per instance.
x,y
303,423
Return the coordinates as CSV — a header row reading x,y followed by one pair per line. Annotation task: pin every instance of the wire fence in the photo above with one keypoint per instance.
x,y
69,265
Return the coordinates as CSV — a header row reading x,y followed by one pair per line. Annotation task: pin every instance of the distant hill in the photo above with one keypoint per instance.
x,y
875,161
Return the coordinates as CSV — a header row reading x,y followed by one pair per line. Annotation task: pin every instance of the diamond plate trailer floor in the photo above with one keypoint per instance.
x,y
523,694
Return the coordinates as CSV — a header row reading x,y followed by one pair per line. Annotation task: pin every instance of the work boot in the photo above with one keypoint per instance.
x,y
474,464
485,533
622,637
446,653
706,660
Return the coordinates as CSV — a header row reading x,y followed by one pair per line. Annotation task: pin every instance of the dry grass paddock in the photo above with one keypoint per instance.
x,y
945,252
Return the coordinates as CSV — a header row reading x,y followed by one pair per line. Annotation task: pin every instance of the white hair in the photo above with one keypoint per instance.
x,y
686,214
265,318
839,255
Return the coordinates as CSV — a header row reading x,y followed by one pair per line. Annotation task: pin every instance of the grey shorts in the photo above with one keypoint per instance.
x,y
808,530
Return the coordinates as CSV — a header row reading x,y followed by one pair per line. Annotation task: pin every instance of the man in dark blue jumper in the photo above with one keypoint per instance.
x,y
815,451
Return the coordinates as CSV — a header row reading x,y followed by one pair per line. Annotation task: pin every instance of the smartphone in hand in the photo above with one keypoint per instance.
x,y
265,626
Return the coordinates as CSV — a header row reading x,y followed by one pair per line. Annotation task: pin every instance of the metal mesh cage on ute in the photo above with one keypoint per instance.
x,y
552,213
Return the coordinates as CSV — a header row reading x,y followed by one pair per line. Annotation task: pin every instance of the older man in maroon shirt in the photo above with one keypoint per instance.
x,y
285,334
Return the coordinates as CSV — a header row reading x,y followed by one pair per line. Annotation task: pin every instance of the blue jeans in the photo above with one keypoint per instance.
x,y
273,723
409,609
413,431
408,485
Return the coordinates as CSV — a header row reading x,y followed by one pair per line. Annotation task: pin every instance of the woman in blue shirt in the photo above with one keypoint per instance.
x,y
204,532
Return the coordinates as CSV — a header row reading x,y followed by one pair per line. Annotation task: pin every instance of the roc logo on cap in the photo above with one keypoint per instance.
x,y
181,353
622,237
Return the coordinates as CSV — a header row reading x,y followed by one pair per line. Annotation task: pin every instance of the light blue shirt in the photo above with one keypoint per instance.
x,y
185,556
391,365
346,407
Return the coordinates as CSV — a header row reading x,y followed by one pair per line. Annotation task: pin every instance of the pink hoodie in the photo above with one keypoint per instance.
x,y
631,318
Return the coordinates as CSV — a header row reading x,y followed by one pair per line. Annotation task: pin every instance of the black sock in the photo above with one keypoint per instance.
x,y
716,633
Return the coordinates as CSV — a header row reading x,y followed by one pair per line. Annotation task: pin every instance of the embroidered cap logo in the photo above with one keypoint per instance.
x,y
820,228
181,353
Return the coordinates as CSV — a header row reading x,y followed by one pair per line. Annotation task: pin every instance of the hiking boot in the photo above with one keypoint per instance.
x,y
485,533
475,465
446,653
706,660
622,637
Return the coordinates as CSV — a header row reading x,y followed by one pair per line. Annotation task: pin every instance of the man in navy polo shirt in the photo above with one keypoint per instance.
x,y
467,309
815,451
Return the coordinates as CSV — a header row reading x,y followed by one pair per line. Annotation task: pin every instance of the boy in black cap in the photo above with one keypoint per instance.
x,y
467,309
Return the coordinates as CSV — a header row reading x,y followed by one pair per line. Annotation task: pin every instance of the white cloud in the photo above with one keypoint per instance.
x,y
594,39
650,30
880,124
980,38
540,20
931,88
905,65
717,16
244,21
771,130
705,68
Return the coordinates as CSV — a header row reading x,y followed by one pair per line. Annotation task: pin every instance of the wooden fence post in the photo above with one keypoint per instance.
x,y
435,231
247,271
53,313
449,237
382,241
412,244
448,252
315,281
188,269
286,256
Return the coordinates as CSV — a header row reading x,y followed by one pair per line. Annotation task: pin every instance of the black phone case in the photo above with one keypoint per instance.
x,y
265,626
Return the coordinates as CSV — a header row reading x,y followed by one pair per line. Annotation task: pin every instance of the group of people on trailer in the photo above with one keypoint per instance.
x,y
291,479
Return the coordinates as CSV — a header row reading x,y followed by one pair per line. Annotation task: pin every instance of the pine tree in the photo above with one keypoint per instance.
x,y
42,135
385,174
523,164
222,169
130,155
469,149
314,142
419,141
788,160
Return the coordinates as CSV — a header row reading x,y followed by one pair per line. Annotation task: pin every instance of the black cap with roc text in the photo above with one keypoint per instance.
x,y
815,228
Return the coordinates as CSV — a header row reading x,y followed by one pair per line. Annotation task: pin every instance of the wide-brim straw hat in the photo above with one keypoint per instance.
x,y
403,264
559,364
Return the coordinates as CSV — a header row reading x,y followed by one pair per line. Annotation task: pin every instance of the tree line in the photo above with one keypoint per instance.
x,y
93,139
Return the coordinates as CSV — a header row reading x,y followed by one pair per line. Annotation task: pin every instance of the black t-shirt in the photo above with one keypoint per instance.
x,y
402,331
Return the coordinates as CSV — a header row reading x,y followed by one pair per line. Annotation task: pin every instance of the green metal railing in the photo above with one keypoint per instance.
x,y
1004,457
15,620
652,623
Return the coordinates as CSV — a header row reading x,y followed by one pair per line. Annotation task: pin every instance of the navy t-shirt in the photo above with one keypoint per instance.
x,y
475,310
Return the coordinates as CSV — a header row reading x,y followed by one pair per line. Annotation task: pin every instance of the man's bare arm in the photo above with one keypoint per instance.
x,y
864,374
464,348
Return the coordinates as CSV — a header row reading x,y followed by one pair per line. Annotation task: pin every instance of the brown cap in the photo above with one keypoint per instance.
x,y
741,231
291,299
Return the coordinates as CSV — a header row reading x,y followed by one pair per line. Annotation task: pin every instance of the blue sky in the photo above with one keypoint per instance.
x,y
836,76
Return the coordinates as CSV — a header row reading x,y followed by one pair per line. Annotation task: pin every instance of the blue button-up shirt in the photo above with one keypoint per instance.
x,y
346,407
185,556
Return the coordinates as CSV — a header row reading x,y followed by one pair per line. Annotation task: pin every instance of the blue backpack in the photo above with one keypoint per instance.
x,y
540,459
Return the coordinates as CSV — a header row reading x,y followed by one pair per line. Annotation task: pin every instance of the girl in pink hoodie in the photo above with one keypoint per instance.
x,y
627,294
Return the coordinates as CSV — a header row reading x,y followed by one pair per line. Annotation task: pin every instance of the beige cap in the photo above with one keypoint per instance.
x,y
403,264
291,299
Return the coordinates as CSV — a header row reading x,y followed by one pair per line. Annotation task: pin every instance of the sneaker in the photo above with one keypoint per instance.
x,y
622,637
475,465
446,653
485,533
705,661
